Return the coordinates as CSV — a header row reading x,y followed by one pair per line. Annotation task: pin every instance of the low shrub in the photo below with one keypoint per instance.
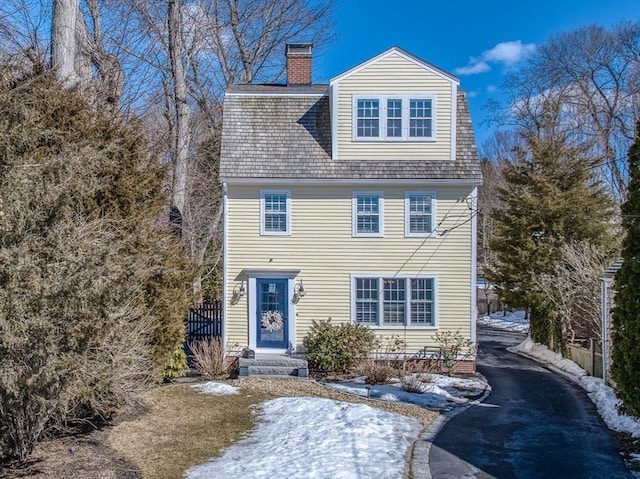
x,y
337,348
416,374
176,365
209,358
382,365
452,348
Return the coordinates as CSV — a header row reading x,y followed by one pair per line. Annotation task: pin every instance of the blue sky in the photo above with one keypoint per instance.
x,y
476,40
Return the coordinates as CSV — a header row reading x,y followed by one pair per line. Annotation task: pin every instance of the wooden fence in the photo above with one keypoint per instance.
x,y
589,359
205,321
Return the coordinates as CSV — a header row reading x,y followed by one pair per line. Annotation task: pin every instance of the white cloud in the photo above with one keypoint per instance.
x,y
491,89
506,54
473,68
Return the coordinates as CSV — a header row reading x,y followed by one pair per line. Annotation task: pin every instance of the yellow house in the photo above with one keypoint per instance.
x,y
354,201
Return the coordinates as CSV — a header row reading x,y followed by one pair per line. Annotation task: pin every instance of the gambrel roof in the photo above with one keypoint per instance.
x,y
278,131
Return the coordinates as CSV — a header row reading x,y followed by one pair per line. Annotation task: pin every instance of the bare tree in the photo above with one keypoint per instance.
x,y
499,149
181,131
200,48
588,82
76,51
573,289
170,63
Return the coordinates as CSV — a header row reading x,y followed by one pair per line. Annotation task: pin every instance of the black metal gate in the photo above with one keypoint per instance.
x,y
205,321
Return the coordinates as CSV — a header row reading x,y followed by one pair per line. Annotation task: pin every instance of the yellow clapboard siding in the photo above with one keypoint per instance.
x,y
321,246
394,75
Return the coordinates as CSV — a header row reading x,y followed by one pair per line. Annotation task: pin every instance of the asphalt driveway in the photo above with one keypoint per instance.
x,y
535,424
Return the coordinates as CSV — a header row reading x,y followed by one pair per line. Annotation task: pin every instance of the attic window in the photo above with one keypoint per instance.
x,y
394,118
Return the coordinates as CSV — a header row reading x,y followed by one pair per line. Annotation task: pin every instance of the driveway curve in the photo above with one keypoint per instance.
x,y
535,424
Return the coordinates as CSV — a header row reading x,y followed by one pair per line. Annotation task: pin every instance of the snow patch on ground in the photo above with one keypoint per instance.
x,y
218,389
442,393
317,438
603,396
510,321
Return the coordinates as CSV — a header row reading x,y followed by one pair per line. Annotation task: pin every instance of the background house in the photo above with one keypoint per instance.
x,y
354,201
607,288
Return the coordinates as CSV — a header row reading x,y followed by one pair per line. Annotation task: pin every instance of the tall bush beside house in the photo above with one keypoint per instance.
x,y
93,287
625,367
337,348
550,198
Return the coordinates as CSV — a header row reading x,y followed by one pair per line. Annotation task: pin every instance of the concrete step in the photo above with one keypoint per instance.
x,y
273,367
279,362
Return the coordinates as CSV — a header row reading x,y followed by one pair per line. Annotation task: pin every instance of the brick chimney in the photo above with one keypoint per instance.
x,y
298,63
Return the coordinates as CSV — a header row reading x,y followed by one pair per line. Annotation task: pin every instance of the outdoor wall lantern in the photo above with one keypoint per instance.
x,y
299,292
242,291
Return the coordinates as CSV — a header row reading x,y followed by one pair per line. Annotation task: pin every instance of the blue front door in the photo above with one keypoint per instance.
x,y
272,313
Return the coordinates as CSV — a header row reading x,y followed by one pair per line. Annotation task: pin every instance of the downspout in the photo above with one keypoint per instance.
x,y
474,266
225,295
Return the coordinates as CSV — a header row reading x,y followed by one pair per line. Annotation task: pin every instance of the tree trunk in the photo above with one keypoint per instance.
x,y
63,41
181,133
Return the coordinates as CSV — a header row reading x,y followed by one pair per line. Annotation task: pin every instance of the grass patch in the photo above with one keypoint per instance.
x,y
182,428
177,428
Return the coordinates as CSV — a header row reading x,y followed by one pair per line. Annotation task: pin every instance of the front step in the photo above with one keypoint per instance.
x,y
273,367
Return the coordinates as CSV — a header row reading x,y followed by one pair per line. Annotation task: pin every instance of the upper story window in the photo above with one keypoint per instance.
x,y
275,212
420,118
368,118
394,117
367,213
419,213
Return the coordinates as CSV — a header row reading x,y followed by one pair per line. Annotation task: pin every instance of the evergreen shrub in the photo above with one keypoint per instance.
x,y
337,348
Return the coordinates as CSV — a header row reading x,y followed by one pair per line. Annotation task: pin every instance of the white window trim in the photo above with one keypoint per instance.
x,y
407,214
354,214
263,232
407,278
382,99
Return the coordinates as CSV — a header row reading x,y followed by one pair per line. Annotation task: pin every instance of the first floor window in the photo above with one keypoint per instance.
x,y
275,212
422,301
394,302
367,301
389,302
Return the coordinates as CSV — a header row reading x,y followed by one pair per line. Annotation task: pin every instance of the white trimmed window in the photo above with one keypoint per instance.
x,y
394,117
389,302
368,213
368,118
275,212
420,213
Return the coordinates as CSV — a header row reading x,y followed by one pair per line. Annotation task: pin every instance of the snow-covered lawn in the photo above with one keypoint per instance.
x,y
321,438
509,321
318,438
441,394
602,395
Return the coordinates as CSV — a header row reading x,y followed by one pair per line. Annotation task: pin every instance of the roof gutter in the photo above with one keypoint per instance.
x,y
351,181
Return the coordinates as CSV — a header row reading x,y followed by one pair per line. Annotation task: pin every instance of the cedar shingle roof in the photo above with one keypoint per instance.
x,y
278,131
